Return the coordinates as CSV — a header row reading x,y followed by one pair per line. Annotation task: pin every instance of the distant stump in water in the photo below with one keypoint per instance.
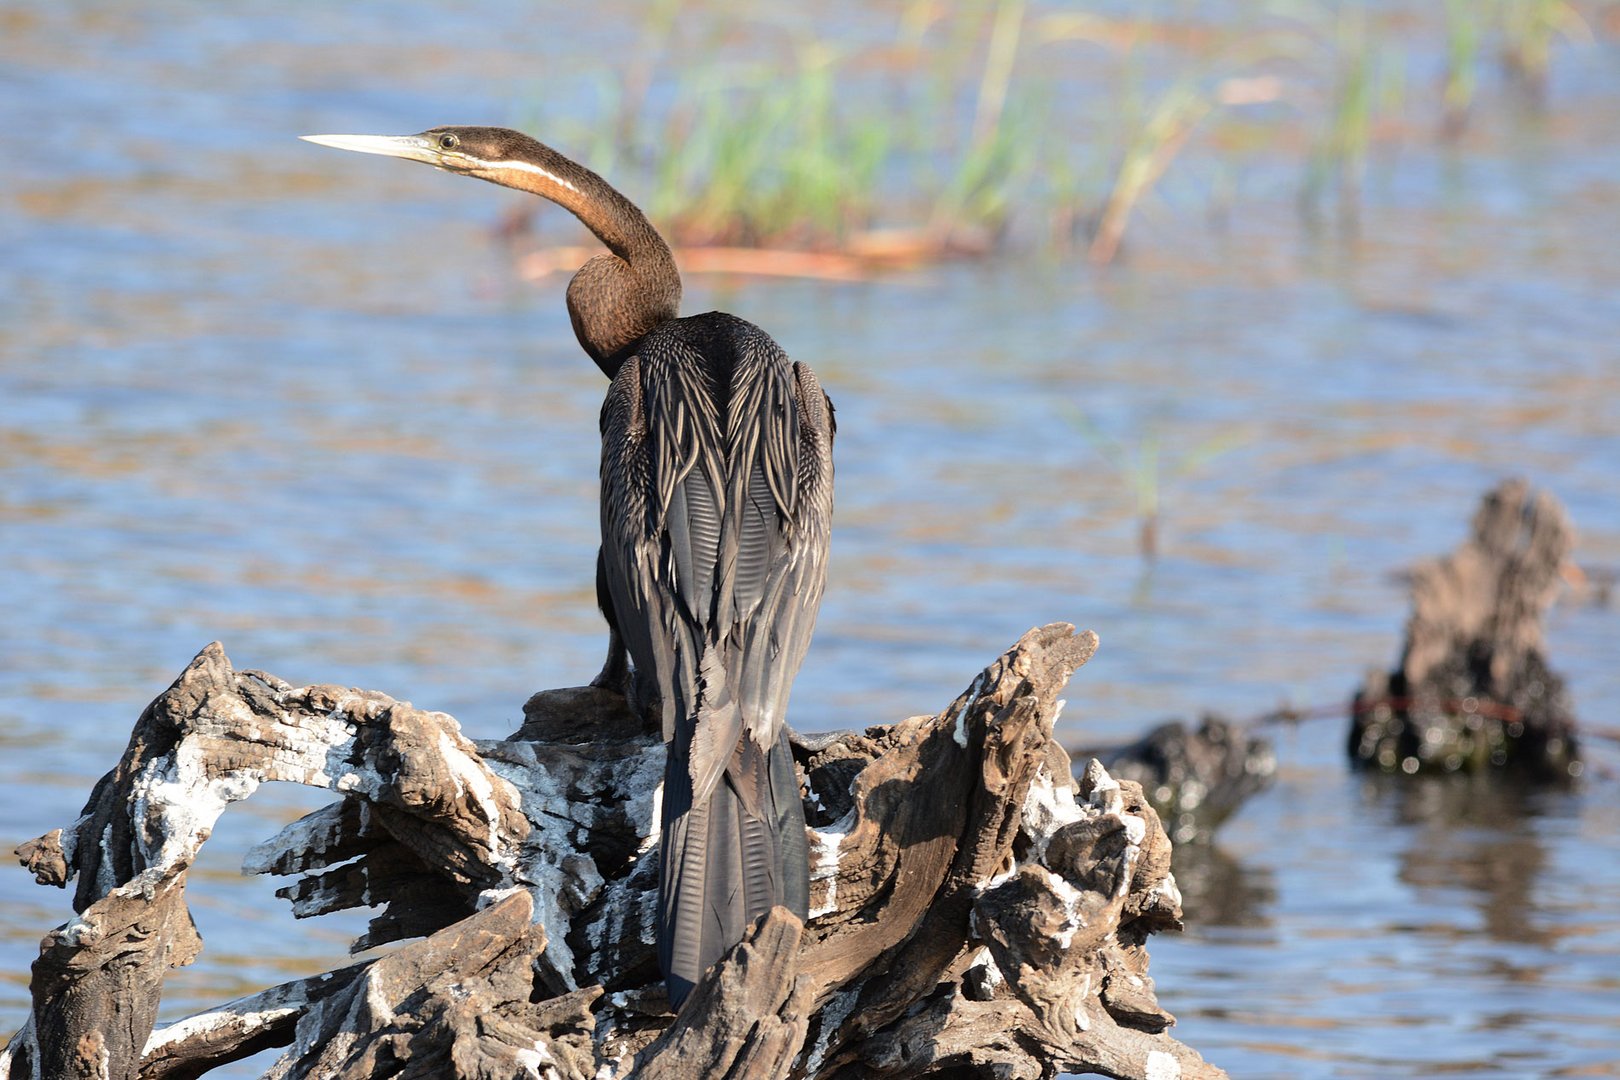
x,y
1195,778
975,911
1473,689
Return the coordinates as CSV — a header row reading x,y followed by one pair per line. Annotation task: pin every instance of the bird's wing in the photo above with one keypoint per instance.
x,y
716,506
659,639
663,493
715,523
780,430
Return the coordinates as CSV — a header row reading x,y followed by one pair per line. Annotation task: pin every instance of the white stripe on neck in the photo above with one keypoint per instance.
x,y
530,167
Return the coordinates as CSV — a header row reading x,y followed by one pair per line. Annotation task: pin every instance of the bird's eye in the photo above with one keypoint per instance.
x,y
448,141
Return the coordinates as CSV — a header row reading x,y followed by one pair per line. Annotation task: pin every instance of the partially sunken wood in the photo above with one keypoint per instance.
x,y
1473,689
975,911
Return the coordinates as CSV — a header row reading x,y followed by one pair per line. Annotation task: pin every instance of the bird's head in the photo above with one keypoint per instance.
x,y
618,296
489,153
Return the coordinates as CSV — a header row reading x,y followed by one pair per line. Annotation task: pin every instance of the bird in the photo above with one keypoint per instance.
x,y
716,512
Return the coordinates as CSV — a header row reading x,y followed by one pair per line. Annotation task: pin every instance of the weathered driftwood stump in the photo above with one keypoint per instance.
x,y
1195,778
974,912
1473,689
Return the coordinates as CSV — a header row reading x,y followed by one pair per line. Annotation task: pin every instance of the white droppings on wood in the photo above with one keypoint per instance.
x,y
614,1065
175,807
647,814
1073,901
1047,808
1105,793
311,835
832,1017
473,778
26,1040
563,880
992,972
224,1019
78,932
495,895
106,882
824,845
1108,799
1161,1066
540,865
637,784
959,729
568,794
537,1061
69,841
1003,874
376,1001
1169,890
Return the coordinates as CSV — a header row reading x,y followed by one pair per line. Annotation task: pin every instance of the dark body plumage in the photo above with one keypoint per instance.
x,y
716,509
716,503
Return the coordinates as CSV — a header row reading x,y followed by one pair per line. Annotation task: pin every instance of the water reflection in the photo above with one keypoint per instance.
x,y
1408,926
1479,834
1218,889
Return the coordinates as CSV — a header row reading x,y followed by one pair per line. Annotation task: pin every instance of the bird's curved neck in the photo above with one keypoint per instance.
x,y
615,299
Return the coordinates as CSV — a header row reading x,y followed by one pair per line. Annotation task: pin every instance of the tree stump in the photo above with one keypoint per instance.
x,y
975,911
1472,689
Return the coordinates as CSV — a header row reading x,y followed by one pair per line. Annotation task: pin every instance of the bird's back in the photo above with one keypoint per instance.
x,y
716,509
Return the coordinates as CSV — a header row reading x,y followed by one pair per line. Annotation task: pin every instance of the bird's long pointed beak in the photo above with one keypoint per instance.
x,y
409,147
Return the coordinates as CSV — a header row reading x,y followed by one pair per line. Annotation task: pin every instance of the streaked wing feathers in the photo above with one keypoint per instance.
x,y
717,501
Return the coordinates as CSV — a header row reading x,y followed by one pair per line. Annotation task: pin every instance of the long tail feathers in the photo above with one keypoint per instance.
x,y
722,866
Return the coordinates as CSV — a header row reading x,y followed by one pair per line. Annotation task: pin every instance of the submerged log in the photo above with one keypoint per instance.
x,y
1473,689
1195,778
975,911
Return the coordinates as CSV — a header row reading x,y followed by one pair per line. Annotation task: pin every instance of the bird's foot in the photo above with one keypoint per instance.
x,y
615,674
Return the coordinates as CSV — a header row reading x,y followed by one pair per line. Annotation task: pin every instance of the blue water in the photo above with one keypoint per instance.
x,y
298,401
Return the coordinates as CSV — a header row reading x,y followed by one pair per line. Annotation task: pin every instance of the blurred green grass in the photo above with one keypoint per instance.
x,y
988,124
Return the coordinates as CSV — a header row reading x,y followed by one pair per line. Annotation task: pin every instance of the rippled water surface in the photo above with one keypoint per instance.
x,y
297,401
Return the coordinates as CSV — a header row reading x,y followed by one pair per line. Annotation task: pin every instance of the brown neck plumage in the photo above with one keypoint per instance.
x,y
615,298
